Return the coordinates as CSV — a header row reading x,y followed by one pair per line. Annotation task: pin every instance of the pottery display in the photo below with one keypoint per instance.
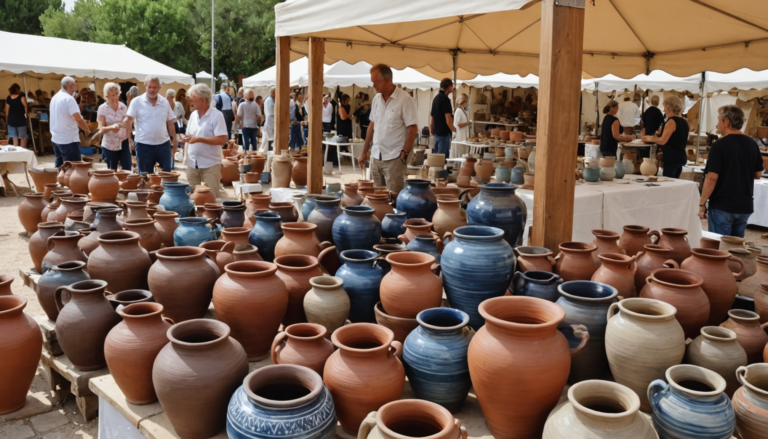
x,y
411,286
78,180
281,171
477,264
299,239
38,242
327,303
750,334
323,215
498,206
364,373
176,198
362,279
62,247
193,232
749,286
30,210
182,281
541,284
252,299
265,234
393,225
233,214
20,345
683,290
214,365
219,254
750,402
120,261
575,262
287,211
356,229
103,186
634,239
719,282
617,270
641,342
648,167
302,344
296,270
448,216
411,418
534,258
716,349
515,392
677,242
417,200
59,275
166,225
650,260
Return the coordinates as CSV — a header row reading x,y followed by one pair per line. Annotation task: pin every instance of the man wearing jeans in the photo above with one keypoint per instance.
x,y
155,120
733,164
65,118
441,119
249,116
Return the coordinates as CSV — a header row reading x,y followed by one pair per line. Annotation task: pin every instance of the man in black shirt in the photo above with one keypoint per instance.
x,y
441,119
734,163
652,118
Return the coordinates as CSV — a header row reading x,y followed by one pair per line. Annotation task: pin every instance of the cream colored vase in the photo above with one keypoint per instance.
x,y
327,303
716,349
411,418
648,167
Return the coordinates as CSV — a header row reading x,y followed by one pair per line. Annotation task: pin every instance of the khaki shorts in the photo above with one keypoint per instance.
x,y
210,176
390,173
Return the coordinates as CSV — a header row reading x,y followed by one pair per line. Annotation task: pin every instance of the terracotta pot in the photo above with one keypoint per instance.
x,y
351,197
258,164
534,259
484,170
411,286
574,262
246,252
169,176
104,186
212,210
219,254
137,210
709,243
38,242
617,270
48,191
683,290
719,282
516,392
80,177
606,241
286,210
156,194
380,204
252,300
653,258
411,418
150,238
177,270
214,365
302,344
30,210
20,345
43,176
295,271
120,261
323,215
62,274
257,202
750,285
251,177
203,195
299,239
131,348
761,303
750,402
122,299
106,222
237,235
642,341
634,239
729,242
229,171
166,224
716,349
749,333
364,373
281,171
62,247
326,304
448,216
677,242
50,209
84,322
299,171
131,182
416,227
399,326
68,205
68,168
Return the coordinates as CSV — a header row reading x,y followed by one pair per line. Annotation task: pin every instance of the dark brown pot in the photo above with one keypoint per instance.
x,y
30,210
38,243
20,345
219,254
150,238
104,186
120,261
107,223
62,247
296,271
68,205
286,210
60,275
182,281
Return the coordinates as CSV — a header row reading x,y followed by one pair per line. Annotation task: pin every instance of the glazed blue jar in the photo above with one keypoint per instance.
x,y
691,404
591,175
281,402
427,244
516,174
356,229
176,198
362,278
620,169
541,284
497,206
476,265
265,234
417,200
309,205
435,357
192,231
393,225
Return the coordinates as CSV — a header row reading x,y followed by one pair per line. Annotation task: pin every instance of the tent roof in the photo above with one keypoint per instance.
x,y
621,37
656,81
21,53
268,77
203,75
515,81
742,79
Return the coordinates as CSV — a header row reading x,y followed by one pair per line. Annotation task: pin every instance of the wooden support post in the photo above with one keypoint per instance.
x,y
282,92
562,41
315,141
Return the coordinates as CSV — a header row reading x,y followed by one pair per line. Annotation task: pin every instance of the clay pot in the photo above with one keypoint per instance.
x,y
155,195
121,262
62,247
212,211
677,242
750,402
380,204
281,171
246,252
150,238
302,344
716,349
411,418
484,170
182,281
574,262
252,300
299,171
714,244
258,163
351,197
68,205
5,285
104,186
42,176
287,211
719,282
364,373
20,345
411,286
731,242
299,239
648,167
749,333
48,191
84,322
606,241
233,214
257,202
131,182
653,258
761,303
137,210
448,216
128,297
534,259
416,227
642,341
30,211
251,177
106,222
166,224
63,274
617,270
296,270
68,169
683,290
203,195
214,365
326,304
229,171
323,215
515,392
750,285
219,254
38,243
399,326
131,347
634,239
50,209
236,235
80,177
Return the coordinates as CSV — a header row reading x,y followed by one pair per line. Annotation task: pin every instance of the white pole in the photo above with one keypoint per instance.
x,y
29,122
213,77
702,97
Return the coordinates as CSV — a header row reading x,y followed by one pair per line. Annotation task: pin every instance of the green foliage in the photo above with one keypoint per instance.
x,y
21,16
80,24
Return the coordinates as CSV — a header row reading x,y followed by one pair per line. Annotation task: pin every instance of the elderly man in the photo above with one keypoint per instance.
x,y
269,123
392,130
154,121
224,104
206,132
441,119
65,118
628,115
327,114
249,116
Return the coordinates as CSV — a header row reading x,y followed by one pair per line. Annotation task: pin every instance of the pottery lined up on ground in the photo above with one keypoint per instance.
x,y
683,290
411,418
30,210
166,225
182,281
302,344
62,247
417,200
750,402
356,229
38,242
534,259
299,239
541,284
716,349
411,286
575,262
219,254
327,303
20,345
719,282
120,261
296,270
653,258
104,186
265,234
59,275
617,270
323,215
498,206
750,333
677,242
635,238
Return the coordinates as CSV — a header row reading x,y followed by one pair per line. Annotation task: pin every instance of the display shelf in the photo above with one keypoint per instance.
x,y
63,380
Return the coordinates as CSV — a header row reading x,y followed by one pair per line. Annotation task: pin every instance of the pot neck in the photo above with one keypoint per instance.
x,y
611,421
636,230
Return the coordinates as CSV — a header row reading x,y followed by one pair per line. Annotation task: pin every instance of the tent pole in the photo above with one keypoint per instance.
x,y
213,77
455,85
597,110
315,140
282,90
29,122
701,115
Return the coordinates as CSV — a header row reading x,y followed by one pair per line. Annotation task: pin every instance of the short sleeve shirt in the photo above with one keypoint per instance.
x,y
441,106
249,113
211,124
391,120
63,127
735,159
269,110
151,120
112,141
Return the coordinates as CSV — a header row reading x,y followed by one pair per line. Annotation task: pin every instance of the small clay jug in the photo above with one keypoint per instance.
x,y
351,197
448,216
68,205
606,241
120,261
380,204
20,345
617,270
654,257
574,262
246,252
38,242
416,227
299,171
411,286
182,269
683,290
203,195
30,211
749,333
296,270
411,418
716,349
287,211
327,303
302,344
237,235
719,282
80,177
150,238
104,186
534,259
634,239
166,224
299,239
62,247
62,274
677,242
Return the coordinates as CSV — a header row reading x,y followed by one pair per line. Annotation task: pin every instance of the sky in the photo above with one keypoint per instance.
x,y
69,4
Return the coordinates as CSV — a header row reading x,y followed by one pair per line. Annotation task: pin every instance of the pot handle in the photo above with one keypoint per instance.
x,y
515,280
655,390
581,332
50,244
368,423
169,320
448,237
612,310
276,345
325,244
743,266
670,263
462,430
404,239
764,325
552,260
398,349
741,374
229,247
655,233
57,297
439,245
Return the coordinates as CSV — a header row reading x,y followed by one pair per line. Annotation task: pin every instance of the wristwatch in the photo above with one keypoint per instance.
x,y
402,151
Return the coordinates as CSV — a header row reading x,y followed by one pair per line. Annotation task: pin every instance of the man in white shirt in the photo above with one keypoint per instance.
x,y
206,132
154,120
392,130
327,114
65,119
269,123
628,115
249,116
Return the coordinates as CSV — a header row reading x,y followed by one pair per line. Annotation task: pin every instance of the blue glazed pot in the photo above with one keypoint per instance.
x,y
497,206
435,357
309,205
476,265
586,303
517,175
393,225
620,169
591,174
541,284
417,200
426,244
176,198
362,278
503,173
192,232
692,405
356,229
233,214
265,234
281,402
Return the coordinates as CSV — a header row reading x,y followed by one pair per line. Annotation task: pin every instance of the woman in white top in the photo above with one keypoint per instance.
x,y
461,122
206,132
114,139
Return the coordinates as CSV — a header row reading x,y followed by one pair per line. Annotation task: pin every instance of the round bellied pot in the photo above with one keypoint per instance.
x,y
302,344
477,264
50,209
541,284
182,281
534,259
136,210
327,303
265,234
252,300
323,215
364,373
676,241
104,186
166,225
356,229
411,286
606,241
299,239
411,418
106,221
691,403
648,167
429,244
574,262
634,239
683,290
386,249
362,279
435,357
618,271
448,216
219,254
84,322
246,252
716,349
750,402
128,297
416,227
192,232
586,303
150,238
131,347
176,198
399,326
351,197
120,261
62,274
214,365
287,211
515,391
393,225
236,235
230,172
650,260
78,180
750,334
29,211
292,395
299,171
62,247
417,200
233,214
203,195
38,243
598,409
380,204
641,342
719,281
20,345
483,170
498,206
296,270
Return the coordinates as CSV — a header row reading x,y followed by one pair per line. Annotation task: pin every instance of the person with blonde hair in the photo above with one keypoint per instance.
x,y
206,132
461,119
674,137
115,148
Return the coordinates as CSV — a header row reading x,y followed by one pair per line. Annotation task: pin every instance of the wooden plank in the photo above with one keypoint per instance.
x,y
64,379
562,40
106,387
30,277
282,92
50,340
315,142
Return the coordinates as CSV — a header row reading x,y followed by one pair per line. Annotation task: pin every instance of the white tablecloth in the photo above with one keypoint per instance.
x,y
14,160
587,213
760,216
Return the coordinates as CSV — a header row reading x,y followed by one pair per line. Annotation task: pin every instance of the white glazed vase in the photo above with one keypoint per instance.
x,y
607,173
648,167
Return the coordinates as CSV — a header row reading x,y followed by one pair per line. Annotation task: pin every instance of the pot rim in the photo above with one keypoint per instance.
x,y
385,337
396,214
498,187
418,182
15,305
763,393
50,225
359,210
296,262
522,251
220,329
680,372
69,266
605,234
616,257
393,248
235,230
87,286
114,297
250,269
275,373
668,311
577,247
673,231
139,221
416,222
34,195
464,317
267,216
478,233
345,255
291,330
166,213
410,259
615,388
141,310
657,248
711,333
576,283
181,253
678,275
304,227
416,407
556,316
333,282
710,253
743,315
119,237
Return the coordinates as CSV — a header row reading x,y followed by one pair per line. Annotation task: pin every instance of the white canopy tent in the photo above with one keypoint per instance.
x,y
515,81
657,80
742,79
267,77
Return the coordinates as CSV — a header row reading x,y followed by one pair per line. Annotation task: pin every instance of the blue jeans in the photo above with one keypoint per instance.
x,y
442,145
148,155
229,117
727,224
296,141
249,138
672,170
123,157
67,152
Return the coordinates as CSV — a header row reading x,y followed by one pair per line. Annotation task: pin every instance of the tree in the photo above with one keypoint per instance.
x,y
21,16
79,24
